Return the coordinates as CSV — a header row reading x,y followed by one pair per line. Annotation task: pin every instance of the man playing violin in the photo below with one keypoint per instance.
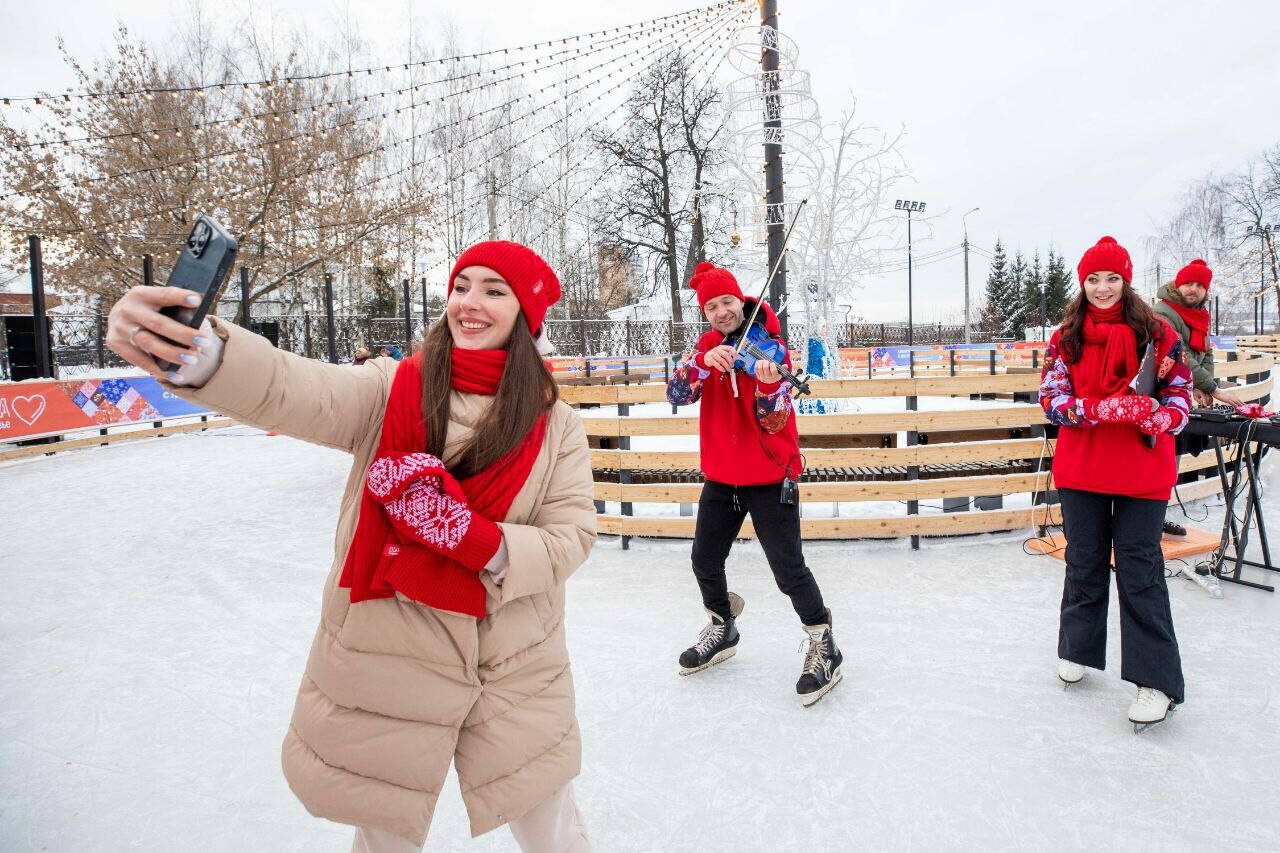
x,y
750,454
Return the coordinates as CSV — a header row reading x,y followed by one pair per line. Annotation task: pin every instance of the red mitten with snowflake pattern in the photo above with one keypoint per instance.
x,y
1157,422
1118,410
426,514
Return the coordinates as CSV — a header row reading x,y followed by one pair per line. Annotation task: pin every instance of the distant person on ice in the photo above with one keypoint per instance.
x,y
751,459
442,633
1182,306
1114,489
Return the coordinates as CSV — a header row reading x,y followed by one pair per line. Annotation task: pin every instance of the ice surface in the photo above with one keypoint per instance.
x,y
161,596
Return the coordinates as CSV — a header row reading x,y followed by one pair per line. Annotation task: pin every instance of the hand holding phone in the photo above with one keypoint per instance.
x,y
202,267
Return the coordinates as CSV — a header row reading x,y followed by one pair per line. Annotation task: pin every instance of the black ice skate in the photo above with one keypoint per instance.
x,y
821,663
1173,530
718,641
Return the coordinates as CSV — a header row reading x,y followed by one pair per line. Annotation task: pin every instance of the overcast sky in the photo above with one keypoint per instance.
x,y
1061,121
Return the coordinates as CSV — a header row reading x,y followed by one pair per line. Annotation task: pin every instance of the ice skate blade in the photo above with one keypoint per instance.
x,y
808,700
1069,684
718,657
1139,727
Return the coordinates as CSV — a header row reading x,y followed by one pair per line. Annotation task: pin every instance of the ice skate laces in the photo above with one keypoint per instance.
x,y
710,637
1146,696
815,656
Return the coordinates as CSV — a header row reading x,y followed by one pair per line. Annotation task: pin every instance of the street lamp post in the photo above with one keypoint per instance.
x,y
965,225
910,207
1263,232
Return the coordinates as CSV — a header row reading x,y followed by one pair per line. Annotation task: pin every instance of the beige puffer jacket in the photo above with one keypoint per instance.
x,y
393,690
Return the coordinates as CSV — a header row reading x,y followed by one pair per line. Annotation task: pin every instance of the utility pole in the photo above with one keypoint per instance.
x,y
774,209
967,338
910,207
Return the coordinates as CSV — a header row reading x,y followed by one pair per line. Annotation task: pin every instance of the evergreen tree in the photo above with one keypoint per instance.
x,y
1016,315
1032,283
992,318
1058,287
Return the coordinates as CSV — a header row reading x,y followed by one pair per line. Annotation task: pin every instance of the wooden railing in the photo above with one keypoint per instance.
x,y
971,458
965,457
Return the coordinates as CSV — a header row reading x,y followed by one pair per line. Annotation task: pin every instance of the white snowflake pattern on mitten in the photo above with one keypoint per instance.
x,y
430,516
388,474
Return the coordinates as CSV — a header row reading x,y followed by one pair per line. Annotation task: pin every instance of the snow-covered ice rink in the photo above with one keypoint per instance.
x,y
160,599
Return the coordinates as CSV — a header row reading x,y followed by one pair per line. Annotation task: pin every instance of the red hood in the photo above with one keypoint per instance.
x,y
771,323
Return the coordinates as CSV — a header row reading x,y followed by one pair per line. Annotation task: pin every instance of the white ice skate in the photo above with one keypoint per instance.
x,y
1149,707
1069,671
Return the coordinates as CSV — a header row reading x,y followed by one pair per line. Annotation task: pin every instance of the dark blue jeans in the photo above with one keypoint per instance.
x,y
721,511
1094,523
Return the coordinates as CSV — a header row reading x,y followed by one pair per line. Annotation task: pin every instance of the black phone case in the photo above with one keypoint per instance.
x,y
202,266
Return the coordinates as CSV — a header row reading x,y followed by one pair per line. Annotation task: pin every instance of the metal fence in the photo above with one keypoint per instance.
x,y
79,348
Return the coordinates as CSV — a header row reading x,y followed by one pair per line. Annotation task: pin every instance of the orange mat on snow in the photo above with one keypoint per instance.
x,y
1197,542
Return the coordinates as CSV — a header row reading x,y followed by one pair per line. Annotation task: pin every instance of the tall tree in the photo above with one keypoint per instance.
x,y
1032,284
1016,315
1058,287
664,168
994,318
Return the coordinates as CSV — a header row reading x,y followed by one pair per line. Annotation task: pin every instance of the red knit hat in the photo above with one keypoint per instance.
x,y
1197,271
530,277
1107,255
710,281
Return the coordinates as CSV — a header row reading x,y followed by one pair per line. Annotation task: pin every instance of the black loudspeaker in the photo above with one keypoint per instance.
x,y
269,329
20,340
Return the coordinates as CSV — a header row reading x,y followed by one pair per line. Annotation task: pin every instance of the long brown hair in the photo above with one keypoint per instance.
x,y
526,391
1139,316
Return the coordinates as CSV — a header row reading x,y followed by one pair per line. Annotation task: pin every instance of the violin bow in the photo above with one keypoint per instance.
x,y
776,266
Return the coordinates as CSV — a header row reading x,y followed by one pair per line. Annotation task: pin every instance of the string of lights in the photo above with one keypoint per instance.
x,y
694,30
69,96
296,138
332,105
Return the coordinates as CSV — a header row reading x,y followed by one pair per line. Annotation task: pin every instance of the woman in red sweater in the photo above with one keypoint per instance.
x,y
1113,487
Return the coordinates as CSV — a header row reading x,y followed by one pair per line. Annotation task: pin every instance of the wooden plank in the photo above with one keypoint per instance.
x,y
947,487
863,423
1197,542
864,457
949,524
112,438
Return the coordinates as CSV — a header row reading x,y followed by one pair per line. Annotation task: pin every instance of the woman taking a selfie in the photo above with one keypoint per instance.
x,y
468,506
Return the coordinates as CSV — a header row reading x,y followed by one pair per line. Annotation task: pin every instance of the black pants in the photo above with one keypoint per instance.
x,y
1093,523
721,511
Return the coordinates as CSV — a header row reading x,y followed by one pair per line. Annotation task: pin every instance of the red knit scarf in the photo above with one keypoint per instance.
x,y
1197,320
380,562
1108,359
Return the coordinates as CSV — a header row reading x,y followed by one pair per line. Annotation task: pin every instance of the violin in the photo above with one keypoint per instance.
x,y
756,344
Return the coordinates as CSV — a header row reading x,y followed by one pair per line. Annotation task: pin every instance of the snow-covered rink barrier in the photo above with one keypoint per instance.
x,y
160,598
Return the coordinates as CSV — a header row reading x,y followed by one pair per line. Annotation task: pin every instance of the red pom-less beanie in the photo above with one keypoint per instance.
x,y
1197,271
710,281
530,277
1106,255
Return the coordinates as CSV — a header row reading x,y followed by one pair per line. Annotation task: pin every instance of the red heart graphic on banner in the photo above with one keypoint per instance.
x,y
34,406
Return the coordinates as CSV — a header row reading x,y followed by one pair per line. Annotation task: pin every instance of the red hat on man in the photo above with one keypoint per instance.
x,y
710,281
1197,271
1107,255
530,277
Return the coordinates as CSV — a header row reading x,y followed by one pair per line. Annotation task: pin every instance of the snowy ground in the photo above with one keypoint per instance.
x,y
160,598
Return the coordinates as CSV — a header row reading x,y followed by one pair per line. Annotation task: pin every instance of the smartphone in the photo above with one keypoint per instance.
x,y
202,266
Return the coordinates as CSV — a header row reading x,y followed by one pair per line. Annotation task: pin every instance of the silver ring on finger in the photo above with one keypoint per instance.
x,y
134,334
